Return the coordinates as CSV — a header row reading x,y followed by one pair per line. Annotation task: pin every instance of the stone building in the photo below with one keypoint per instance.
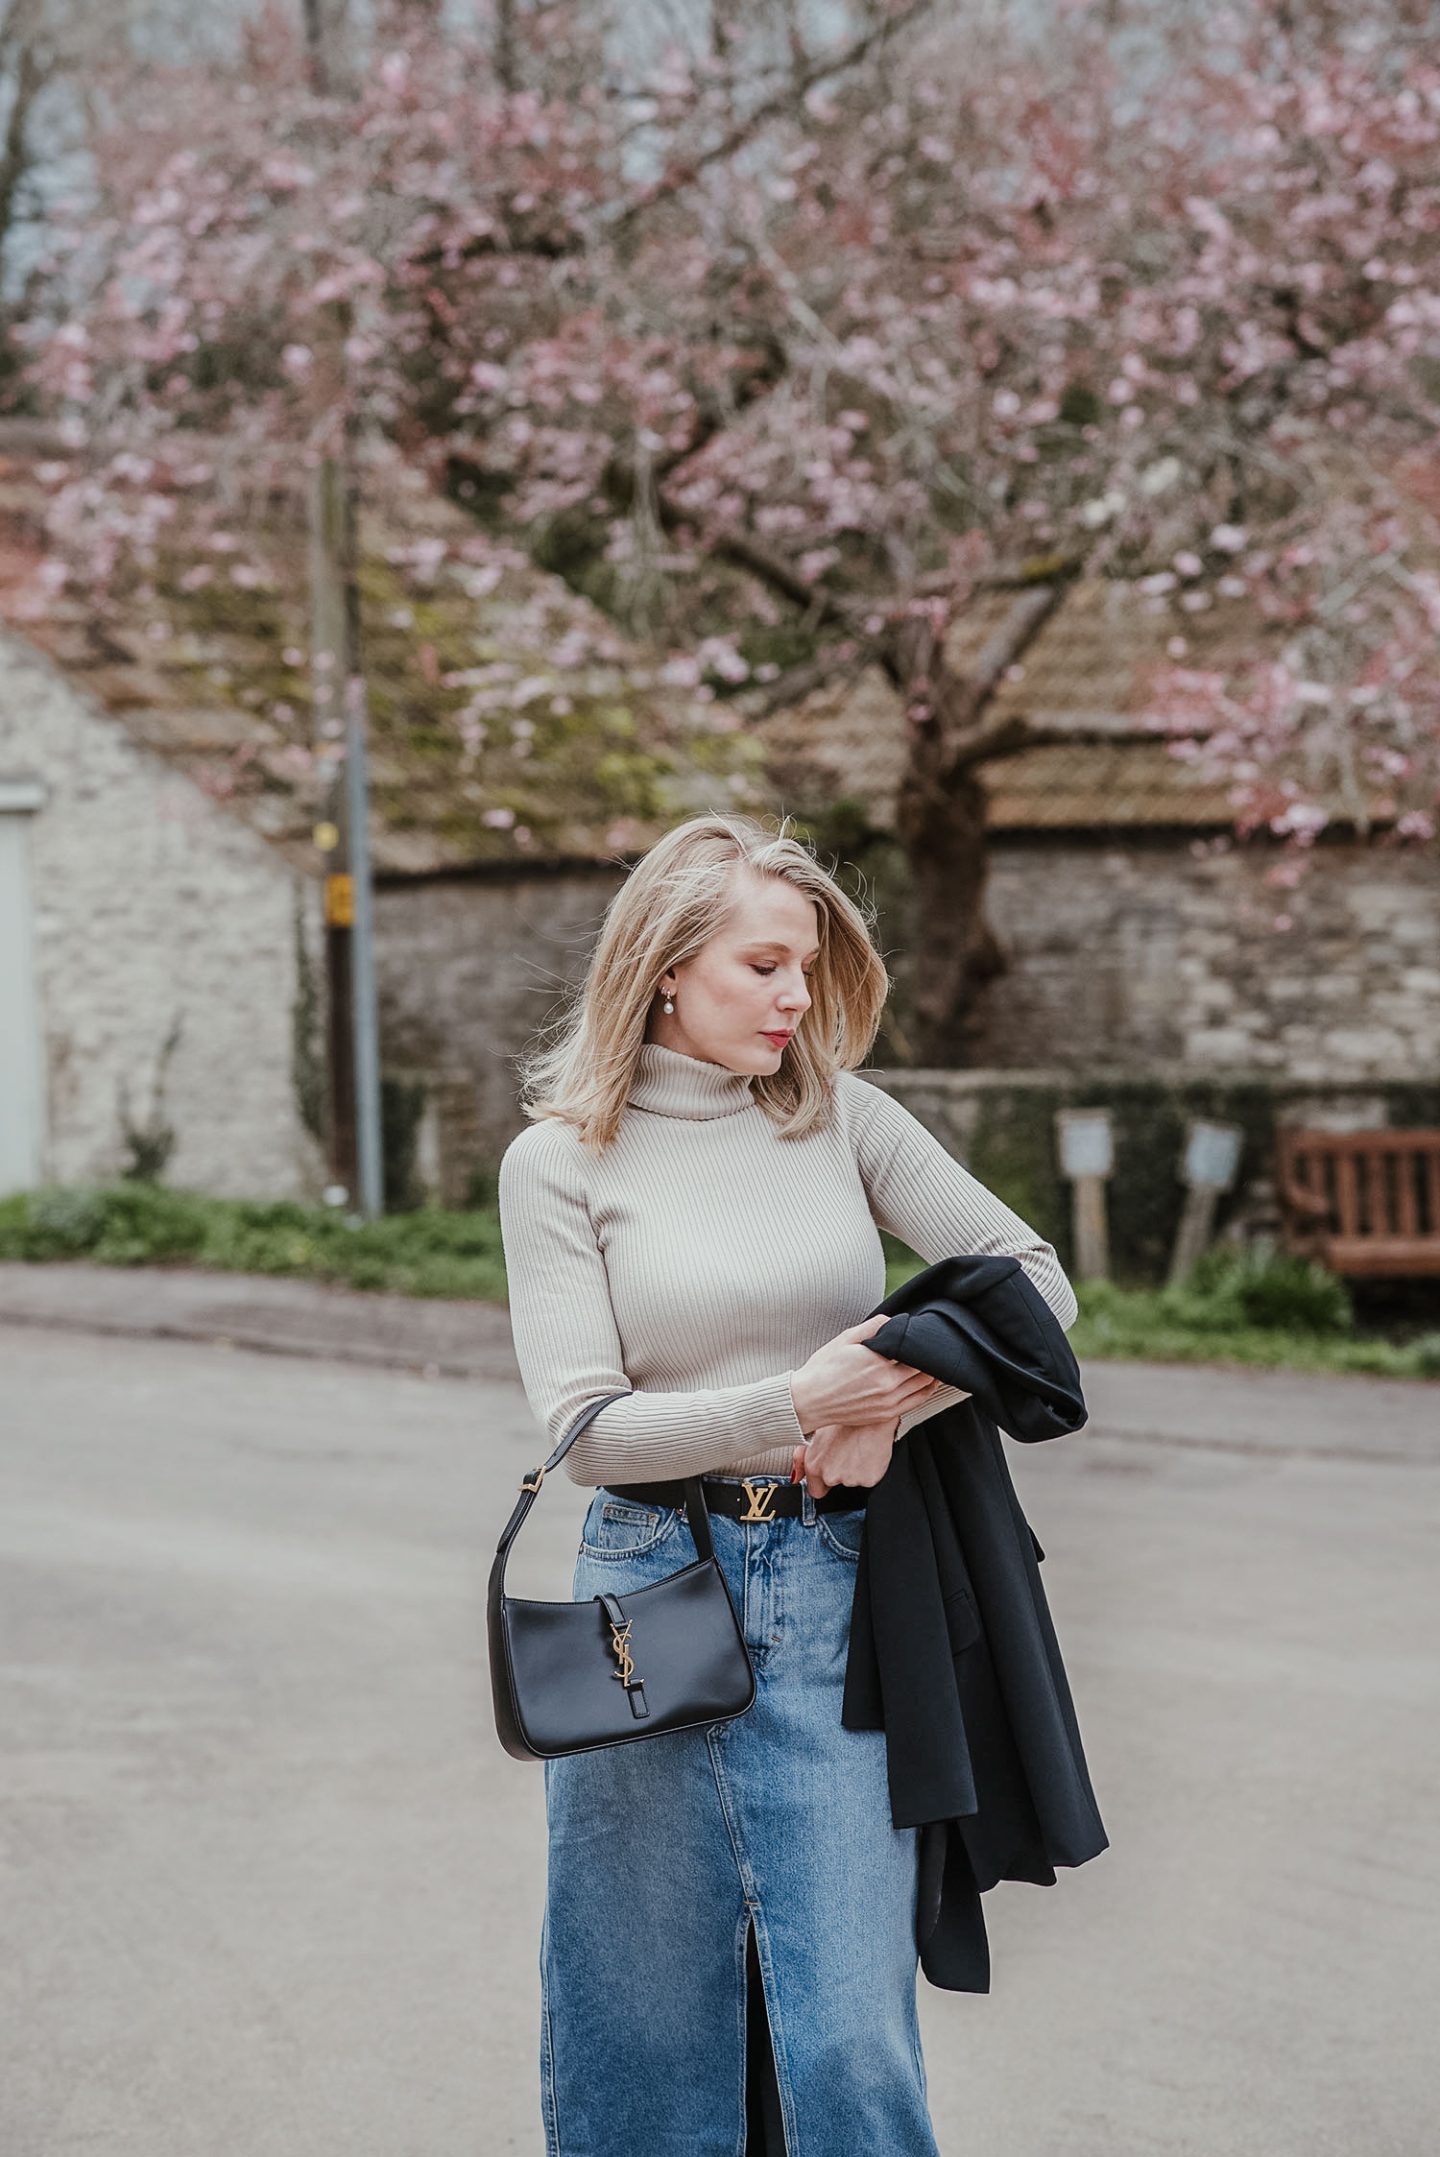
x,y
162,943
1147,946
522,754
1140,931
155,952
1153,963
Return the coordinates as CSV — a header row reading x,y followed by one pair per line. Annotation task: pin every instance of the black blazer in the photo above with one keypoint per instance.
x,y
952,1651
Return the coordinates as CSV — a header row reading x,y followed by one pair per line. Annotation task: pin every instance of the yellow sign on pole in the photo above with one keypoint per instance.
x,y
340,901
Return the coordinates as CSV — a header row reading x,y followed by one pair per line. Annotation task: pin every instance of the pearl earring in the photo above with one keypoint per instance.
x,y
669,1003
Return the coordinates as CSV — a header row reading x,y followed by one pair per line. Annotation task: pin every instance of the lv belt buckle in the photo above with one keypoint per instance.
x,y
759,1495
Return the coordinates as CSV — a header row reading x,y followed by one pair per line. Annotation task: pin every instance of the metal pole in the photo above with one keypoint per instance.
x,y
340,695
369,1153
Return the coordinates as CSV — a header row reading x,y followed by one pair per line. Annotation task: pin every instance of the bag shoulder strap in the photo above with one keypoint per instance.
x,y
530,1486
586,1416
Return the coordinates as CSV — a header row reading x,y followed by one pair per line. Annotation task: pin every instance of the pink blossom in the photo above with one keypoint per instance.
x,y
933,322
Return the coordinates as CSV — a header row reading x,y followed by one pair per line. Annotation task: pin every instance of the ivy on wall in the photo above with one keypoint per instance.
x,y
307,1066
1004,1131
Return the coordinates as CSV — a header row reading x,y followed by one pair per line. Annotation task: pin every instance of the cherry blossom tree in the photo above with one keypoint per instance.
x,y
48,50
789,374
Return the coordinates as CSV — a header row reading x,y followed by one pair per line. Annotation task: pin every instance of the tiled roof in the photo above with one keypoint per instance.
x,y
1094,786
588,756
1093,654
847,743
1086,673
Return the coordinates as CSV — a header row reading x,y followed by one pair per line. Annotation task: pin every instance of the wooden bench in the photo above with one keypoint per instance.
x,y
1365,1203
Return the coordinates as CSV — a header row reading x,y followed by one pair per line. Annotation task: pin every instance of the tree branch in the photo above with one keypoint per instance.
x,y
679,177
558,242
30,79
959,742
799,682
712,417
743,551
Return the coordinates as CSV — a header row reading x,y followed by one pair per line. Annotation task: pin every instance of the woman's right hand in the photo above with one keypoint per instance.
x,y
845,1383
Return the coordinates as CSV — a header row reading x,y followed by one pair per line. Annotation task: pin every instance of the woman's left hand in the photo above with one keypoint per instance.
x,y
857,1454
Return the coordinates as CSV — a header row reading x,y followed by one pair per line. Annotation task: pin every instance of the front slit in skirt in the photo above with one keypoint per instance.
x,y
663,1852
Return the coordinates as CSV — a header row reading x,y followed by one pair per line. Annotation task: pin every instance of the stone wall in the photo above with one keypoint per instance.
x,y
157,916
1147,962
1124,957
470,970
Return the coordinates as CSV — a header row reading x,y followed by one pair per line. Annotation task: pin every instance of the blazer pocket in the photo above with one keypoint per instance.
x,y
962,1621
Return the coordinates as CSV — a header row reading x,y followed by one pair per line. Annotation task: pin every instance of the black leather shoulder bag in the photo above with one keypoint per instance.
x,y
568,1677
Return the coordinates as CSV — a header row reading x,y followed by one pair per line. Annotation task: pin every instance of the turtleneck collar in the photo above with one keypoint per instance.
x,y
670,1083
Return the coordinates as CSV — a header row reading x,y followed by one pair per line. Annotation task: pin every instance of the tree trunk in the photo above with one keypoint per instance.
x,y
940,816
954,952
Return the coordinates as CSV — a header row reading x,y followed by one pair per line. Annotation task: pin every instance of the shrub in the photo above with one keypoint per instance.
x,y
1426,1351
1259,1285
427,1252
52,1223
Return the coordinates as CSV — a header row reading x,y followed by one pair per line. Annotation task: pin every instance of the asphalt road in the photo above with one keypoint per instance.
x,y
270,1887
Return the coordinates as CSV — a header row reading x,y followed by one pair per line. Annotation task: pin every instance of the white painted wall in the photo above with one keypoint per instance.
x,y
22,1096
154,907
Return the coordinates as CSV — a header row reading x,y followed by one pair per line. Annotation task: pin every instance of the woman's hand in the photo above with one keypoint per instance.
x,y
850,1453
845,1380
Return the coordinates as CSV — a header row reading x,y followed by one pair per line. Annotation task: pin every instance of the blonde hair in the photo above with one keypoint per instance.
x,y
677,896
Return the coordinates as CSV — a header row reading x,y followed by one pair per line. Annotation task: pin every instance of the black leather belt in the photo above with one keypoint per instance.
x,y
755,1497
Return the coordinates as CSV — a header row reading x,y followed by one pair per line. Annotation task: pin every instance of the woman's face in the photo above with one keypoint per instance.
x,y
748,983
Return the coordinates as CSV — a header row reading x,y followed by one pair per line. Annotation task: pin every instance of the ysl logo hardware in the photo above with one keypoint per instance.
x,y
759,1495
620,1643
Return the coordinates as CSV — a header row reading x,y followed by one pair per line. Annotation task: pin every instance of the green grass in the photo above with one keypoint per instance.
x,y
425,1253
1133,1325
1257,1307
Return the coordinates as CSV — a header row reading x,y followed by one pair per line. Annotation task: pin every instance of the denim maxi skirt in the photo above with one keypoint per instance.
x,y
663,1851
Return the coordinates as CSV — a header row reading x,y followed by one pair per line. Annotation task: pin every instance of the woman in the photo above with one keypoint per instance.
x,y
693,1214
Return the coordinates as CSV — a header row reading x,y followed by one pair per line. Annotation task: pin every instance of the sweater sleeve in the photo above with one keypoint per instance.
x,y
568,1346
918,1191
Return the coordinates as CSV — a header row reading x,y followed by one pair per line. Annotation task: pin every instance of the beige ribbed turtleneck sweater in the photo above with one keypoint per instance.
x,y
701,1259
